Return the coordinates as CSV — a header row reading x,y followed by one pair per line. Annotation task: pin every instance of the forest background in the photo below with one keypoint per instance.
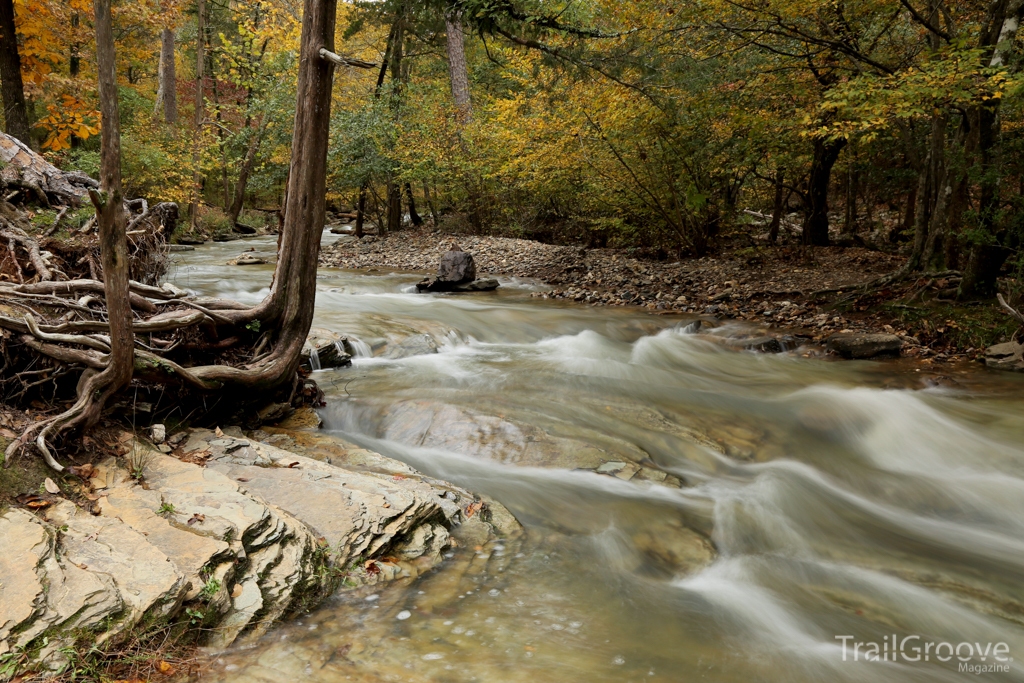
x,y
665,127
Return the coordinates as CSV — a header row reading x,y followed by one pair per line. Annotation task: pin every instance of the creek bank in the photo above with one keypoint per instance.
x,y
227,534
775,287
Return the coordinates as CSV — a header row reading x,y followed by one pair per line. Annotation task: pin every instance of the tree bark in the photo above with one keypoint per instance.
x,y
167,93
414,216
430,204
360,211
826,153
777,208
394,206
200,68
457,69
15,112
244,171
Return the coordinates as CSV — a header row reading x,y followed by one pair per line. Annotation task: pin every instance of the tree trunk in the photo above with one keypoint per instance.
x,y
394,207
850,210
197,179
430,204
360,211
244,171
15,113
987,255
778,208
457,70
291,298
826,153
413,215
167,93
394,218
112,222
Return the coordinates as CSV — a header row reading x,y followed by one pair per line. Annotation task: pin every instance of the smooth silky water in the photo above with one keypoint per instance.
x,y
843,498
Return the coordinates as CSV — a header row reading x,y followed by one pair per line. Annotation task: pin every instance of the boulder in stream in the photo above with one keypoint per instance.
x,y
857,345
248,259
1007,356
457,273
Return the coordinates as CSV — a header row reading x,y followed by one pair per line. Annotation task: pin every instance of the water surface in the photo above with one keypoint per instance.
x,y
842,498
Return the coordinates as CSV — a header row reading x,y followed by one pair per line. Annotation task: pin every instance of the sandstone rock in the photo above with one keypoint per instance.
x,y
1007,356
246,539
855,345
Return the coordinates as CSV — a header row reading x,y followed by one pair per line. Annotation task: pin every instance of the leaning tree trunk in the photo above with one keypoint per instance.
x,y
244,171
167,93
826,153
15,113
288,309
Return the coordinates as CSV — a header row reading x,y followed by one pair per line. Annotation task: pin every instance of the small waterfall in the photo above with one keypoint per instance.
x,y
360,349
314,358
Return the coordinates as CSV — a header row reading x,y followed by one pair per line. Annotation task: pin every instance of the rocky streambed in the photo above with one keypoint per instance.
x,y
224,536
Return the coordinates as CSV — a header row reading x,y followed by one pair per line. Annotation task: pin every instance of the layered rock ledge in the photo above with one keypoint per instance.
x,y
225,536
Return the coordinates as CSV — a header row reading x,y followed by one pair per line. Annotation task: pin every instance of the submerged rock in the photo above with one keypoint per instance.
x,y
248,259
482,285
855,345
416,345
1007,356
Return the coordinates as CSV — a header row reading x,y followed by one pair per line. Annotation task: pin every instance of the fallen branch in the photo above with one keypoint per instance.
x,y
1010,309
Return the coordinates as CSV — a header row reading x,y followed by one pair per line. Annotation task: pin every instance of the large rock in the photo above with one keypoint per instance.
x,y
457,273
456,267
1008,356
856,345
238,531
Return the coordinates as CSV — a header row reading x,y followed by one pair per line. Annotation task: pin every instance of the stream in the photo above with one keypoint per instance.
x,y
883,501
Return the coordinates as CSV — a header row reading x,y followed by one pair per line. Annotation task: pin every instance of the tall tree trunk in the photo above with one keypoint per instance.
x,y
167,93
197,178
778,207
244,171
360,211
15,112
294,290
430,204
987,256
112,222
394,218
826,153
850,210
457,69
413,215
381,75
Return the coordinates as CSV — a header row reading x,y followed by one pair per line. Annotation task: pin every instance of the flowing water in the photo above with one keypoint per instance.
x,y
870,500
